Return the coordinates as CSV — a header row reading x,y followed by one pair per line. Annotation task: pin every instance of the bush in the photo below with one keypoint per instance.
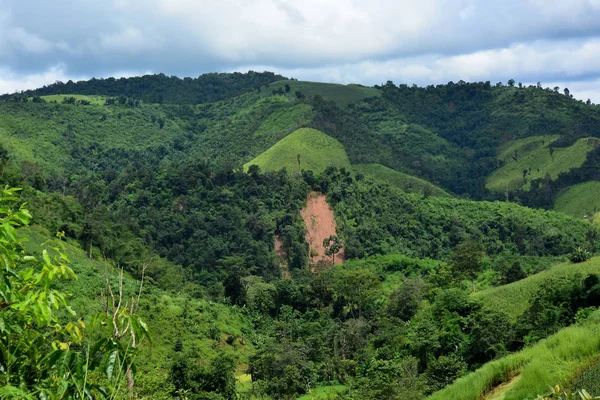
x,y
580,255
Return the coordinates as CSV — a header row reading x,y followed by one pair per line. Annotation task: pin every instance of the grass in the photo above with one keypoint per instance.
x,y
514,298
403,181
534,155
580,200
95,100
552,361
322,392
341,94
316,150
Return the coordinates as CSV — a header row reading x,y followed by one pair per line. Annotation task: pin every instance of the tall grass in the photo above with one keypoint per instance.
x,y
555,360
514,298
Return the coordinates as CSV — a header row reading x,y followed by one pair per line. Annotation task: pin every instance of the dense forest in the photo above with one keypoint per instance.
x,y
149,203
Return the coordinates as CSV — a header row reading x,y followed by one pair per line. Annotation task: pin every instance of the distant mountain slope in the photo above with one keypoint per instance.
x,y
305,149
342,95
580,200
533,158
402,181
160,88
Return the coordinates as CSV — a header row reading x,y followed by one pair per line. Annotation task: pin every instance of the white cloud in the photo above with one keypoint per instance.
x,y
129,40
11,82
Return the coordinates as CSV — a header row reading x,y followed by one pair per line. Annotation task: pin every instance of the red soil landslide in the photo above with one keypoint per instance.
x,y
320,224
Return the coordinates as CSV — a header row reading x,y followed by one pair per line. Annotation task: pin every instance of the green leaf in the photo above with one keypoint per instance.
x,y
112,361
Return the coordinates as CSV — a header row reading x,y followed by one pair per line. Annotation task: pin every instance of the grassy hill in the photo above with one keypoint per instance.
x,y
317,151
556,360
579,200
532,158
343,95
513,299
403,181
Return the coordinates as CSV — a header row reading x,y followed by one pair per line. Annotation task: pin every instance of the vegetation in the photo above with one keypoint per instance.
x,y
305,149
556,359
342,95
183,188
400,180
581,201
163,89
533,158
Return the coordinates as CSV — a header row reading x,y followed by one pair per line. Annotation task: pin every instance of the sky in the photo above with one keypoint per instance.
x,y
555,42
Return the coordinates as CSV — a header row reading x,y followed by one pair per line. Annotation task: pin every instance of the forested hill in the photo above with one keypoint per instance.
x,y
160,88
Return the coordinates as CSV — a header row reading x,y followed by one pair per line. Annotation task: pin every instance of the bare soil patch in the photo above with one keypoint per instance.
x,y
320,224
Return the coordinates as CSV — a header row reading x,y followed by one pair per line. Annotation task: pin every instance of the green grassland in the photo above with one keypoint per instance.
x,y
555,360
514,298
403,181
580,200
317,151
534,155
341,94
95,100
323,392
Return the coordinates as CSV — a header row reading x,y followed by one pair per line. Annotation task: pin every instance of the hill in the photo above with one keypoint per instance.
x,y
305,149
533,158
342,95
160,88
580,200
514,298
402,181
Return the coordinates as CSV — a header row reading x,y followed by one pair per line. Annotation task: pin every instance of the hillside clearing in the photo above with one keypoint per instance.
x,y
305,149
341,94
532,158
514,298
580,200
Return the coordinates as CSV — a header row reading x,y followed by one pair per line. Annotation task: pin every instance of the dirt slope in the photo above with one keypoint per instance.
x,y
320,224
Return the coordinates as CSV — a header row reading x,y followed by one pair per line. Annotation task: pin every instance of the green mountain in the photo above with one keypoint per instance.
x,y
458,208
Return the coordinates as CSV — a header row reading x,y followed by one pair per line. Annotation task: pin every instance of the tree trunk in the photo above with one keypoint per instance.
x,y
130,381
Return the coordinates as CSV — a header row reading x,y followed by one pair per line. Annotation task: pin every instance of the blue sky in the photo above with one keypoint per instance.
x,y
555,42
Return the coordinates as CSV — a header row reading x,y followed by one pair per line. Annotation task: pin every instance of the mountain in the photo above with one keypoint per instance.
x,y
455,208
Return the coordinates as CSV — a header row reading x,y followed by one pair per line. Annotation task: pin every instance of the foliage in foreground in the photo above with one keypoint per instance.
x,y
41,356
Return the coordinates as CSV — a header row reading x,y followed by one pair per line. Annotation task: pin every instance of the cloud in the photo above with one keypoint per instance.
x,y
429,41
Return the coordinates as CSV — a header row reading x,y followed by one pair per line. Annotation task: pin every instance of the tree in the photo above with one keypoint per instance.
x,y
467,260
511,82
406,300
287,88
332,246
567,92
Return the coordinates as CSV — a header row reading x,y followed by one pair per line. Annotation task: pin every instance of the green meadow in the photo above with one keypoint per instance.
x,y
305,149
527,159
514,298
580,200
